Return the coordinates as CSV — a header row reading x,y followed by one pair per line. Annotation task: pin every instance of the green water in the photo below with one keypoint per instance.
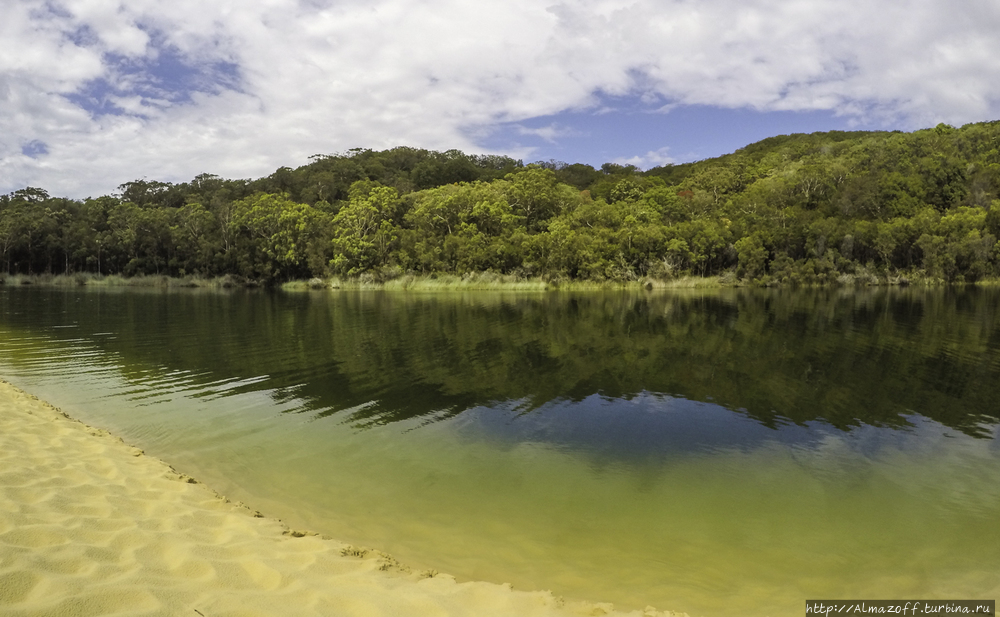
x,y
723,453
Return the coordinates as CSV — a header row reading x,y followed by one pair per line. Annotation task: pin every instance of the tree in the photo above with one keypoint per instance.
x,y
463,226
536,195
273,236
9,233
752,257
195,234
363,230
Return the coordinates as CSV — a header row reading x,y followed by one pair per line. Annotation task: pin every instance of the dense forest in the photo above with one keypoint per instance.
x,y
848,207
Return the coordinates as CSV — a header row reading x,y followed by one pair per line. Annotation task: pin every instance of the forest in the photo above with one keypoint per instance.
x,y
838,207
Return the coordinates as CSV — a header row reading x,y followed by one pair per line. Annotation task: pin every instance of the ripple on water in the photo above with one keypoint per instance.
x,y
727,454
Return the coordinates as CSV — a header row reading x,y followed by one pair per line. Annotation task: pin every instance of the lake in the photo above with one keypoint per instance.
x,y
728,452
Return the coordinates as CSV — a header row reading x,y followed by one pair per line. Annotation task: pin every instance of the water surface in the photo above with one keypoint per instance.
x,y
723,453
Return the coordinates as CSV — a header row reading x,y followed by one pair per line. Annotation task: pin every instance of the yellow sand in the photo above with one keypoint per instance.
x,y
91,526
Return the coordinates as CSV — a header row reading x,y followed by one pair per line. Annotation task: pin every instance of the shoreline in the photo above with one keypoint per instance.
x,y
91,525
475,281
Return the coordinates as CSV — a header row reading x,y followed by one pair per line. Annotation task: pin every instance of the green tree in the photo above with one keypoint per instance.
x,y
536,195
752,257
274,233
195,234
363,231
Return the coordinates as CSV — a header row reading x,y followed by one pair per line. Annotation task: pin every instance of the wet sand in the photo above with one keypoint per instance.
x,y
92,526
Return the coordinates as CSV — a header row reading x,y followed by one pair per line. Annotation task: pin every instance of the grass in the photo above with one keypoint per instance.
x,y
82,279
473,281
483,281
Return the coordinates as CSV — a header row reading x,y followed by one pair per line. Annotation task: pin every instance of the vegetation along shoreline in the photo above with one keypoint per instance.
x,y
844,208
473,281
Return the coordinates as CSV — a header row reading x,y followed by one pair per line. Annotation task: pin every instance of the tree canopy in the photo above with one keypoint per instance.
x,y
795,208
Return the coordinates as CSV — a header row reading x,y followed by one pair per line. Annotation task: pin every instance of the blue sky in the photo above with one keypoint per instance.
x,y
631,133
94,93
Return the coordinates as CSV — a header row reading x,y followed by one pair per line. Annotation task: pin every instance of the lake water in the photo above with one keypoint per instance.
x,y
725,453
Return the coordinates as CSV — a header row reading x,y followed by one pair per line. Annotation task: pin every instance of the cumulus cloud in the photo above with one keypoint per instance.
x,y
94,93
550,133
652,158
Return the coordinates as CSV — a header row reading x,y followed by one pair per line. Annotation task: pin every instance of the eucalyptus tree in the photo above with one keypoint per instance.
x,y
363,230
274,235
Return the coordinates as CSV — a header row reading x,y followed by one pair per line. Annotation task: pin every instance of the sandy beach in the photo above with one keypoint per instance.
x,y
92,526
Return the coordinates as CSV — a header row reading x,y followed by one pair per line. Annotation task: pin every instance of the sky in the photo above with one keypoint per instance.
x,y
95,93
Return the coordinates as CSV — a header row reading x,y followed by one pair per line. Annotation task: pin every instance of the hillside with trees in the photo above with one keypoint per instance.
x,y
848,207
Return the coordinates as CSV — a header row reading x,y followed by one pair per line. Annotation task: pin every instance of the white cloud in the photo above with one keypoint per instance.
x,y
652,158
316,76
549,133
